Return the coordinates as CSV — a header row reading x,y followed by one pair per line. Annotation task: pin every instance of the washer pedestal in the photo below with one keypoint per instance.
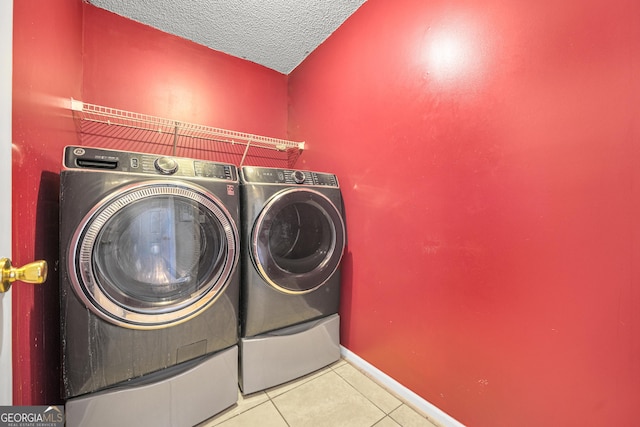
x,y
183,395
279,356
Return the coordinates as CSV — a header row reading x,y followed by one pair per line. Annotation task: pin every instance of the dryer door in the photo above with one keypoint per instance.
x,y
153,254
298,240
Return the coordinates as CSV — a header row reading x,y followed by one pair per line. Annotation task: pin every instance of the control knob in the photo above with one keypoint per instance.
x,y
166,165
298,177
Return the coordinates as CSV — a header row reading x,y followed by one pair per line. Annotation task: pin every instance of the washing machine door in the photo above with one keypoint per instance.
x,y
298,240
153,254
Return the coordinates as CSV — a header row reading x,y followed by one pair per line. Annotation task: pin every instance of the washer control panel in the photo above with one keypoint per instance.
x,y
150,164
251,174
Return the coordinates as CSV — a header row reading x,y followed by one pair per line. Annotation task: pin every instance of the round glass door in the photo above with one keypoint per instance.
x,y
298,240
154,254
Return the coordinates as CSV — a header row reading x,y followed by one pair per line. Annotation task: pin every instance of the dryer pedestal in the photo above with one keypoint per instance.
x,y
183,395
283,355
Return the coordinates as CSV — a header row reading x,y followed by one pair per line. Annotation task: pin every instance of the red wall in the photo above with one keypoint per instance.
x,y
489,155
67,49
136,68
46,73
133,67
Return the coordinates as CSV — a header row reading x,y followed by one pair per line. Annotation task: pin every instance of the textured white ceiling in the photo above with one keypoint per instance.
x,y
278,34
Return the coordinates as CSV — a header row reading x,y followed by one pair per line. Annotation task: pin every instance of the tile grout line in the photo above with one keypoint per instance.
x,y
278,410
360,393
344,361
376,383
312,376
428,410
318,374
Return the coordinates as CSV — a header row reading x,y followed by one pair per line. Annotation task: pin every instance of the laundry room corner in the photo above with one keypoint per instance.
x,y
449,202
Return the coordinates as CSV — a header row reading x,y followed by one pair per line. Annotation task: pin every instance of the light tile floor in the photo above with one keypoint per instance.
x,y
338,395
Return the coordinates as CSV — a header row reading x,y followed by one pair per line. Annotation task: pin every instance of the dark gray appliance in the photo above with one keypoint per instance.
x,y
149,249
293,239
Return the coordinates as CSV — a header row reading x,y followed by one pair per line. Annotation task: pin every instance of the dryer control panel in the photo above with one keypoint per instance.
x,y
152,164
251,174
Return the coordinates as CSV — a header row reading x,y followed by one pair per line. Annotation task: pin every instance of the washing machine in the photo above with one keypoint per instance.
x,y
149,277
293,238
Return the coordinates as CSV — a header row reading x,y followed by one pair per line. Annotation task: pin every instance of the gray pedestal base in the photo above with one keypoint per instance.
x,y
184,395
286,354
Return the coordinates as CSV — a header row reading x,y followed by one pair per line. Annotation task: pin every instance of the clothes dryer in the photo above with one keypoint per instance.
x,y
149,252
293,239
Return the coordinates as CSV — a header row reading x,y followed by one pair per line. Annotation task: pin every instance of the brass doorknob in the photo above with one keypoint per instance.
x,y
34,272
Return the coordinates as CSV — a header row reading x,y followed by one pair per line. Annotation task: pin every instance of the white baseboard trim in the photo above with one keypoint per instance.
x,y
431,411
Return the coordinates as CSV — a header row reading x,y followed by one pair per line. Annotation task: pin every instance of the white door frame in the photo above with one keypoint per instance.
x,y
6,69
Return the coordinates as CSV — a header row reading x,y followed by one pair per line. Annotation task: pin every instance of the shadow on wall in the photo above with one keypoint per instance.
x,y
346,297
45,315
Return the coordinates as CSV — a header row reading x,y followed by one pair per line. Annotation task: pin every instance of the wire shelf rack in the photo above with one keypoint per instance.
x,y
119,129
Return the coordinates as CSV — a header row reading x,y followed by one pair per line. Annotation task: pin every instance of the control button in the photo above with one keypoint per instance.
x,y
166,165
298,177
